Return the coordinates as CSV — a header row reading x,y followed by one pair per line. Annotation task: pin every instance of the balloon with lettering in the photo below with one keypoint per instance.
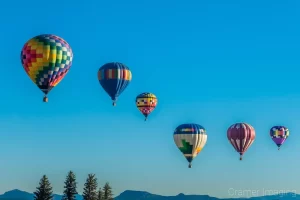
x,y
114,78
46,59
241,136
190,140
279,134
146,103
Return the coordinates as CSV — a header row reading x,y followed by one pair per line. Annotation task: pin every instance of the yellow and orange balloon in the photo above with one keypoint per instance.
x,y
146,103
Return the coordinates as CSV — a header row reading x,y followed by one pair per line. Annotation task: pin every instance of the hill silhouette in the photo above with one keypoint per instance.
x,y
142,195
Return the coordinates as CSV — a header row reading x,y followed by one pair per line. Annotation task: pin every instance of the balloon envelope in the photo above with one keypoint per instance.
x,y
46,59
279,134
114,77
146,103
241,136
190,140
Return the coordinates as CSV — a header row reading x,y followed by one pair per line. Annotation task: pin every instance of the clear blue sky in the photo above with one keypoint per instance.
x,y
209,62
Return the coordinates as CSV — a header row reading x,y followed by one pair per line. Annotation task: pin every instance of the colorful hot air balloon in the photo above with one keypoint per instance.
x,y
279,134
146,103
241,136
190,139
46,59
114,77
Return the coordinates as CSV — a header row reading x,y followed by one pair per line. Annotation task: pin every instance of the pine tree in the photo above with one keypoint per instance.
x,y
90,188
70,187
107,192
100,194
44,190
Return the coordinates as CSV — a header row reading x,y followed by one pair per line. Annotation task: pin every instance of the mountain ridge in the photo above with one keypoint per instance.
x,y
17,194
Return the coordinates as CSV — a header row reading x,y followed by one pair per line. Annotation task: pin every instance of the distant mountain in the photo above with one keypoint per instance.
x,y
22,195
140,195
16,195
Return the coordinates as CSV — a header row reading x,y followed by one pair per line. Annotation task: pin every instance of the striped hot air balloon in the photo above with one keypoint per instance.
x,y
241,136
190,140
114,77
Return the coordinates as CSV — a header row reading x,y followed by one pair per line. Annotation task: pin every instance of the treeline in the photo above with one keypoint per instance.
x,y
90,190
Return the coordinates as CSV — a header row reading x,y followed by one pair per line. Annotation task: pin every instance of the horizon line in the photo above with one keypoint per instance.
x,y
270,195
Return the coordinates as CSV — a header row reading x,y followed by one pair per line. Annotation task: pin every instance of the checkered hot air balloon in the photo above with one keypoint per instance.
x,y
241,136
46,59
114,77
146,103
279,134
190,140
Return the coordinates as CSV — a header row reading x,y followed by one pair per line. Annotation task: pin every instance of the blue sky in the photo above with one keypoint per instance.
x,y
209,62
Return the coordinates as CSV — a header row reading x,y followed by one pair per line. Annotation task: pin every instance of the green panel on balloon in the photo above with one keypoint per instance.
x,y
187,147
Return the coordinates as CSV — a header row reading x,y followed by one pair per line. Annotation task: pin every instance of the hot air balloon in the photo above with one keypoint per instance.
x,y
241,136
190,140
46,59
114,77
279,134
146,103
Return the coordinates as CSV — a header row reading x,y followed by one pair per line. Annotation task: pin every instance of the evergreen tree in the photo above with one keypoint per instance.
x,y
100,194
70,187
90,188
44,190
107,192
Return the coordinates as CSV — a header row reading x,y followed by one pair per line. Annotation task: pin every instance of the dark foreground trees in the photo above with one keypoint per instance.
x,y
100,194
107,192
44,190
70,187
90,190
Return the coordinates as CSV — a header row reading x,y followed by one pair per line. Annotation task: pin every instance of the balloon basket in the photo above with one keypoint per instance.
x,y
45,99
